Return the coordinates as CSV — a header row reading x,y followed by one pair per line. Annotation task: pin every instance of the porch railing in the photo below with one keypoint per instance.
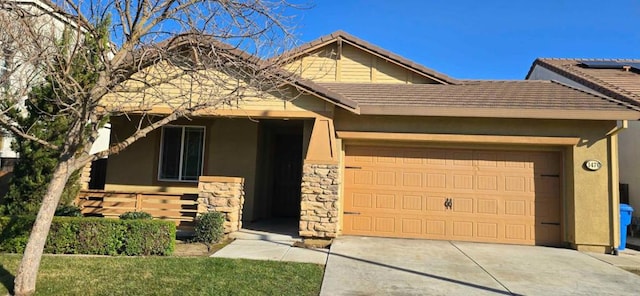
x,y
177,207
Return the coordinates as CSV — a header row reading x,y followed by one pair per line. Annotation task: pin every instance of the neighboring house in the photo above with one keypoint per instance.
x,y
9,58
615,78
375,144
49,22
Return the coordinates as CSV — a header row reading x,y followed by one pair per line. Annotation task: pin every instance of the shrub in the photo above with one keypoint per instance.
x,y
209,228
99,236
146,237
136,216
68,211
14,233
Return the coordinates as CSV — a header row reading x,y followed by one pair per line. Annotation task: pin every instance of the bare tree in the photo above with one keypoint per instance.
x,y
158,59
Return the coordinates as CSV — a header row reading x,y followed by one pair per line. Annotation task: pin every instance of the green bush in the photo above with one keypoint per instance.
x,y
136,216
99,236
209,228
14,233
68,211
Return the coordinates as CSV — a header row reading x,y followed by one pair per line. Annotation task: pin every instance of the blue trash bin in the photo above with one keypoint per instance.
x,y
625,220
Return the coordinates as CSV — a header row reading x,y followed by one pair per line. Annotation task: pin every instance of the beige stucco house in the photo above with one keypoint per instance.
x,y
375,144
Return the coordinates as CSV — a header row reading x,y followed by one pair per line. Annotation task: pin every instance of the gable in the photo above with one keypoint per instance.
x,y
340,57
347,63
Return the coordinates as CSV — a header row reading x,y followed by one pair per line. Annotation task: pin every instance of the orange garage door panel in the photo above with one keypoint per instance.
x,y
453,194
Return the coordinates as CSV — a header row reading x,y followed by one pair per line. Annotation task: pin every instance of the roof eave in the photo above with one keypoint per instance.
x,y
533,66
499,112
326,94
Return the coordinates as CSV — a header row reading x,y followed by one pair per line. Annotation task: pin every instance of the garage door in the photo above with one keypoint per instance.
x,y
453,194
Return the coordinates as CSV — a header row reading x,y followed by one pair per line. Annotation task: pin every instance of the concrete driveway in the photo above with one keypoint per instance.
x,y
386,266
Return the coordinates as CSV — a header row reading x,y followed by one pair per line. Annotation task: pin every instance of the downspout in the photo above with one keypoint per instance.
x,y
615,180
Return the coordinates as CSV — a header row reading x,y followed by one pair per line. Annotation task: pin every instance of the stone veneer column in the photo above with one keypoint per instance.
x,y
319,205
224,195
85,176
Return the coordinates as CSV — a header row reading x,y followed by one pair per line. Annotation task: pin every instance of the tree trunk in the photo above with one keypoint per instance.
x,y
25,282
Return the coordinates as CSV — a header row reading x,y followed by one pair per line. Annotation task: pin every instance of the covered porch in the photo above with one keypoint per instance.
x,y
251,169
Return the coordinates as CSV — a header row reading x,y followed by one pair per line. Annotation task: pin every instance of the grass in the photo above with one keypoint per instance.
x,y
77,275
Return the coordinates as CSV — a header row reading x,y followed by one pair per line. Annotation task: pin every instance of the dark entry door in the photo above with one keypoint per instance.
x,y
287,175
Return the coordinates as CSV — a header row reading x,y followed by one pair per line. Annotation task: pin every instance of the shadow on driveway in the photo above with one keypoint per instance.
x,y
424,274
389,266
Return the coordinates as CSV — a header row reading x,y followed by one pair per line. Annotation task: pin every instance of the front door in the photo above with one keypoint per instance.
x,y
287,175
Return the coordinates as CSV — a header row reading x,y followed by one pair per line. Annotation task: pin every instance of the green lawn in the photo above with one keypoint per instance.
x,y
74,275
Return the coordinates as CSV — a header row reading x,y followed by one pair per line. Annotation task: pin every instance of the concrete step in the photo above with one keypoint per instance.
x,y
251,234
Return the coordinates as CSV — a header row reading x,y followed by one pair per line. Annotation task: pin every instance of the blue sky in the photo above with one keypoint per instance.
x,y
483,39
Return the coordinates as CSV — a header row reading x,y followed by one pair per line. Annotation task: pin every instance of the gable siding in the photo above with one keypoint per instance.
x,y
218,92
386,72
272,103
354,65
320,65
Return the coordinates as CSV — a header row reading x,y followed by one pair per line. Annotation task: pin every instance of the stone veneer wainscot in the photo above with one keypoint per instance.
x,y
319,210
224,195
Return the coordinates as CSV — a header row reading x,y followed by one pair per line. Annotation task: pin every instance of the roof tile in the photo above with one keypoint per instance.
x,y
616,83
510,95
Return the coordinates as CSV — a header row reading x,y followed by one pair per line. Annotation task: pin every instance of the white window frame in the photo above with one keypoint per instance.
x,y
183,127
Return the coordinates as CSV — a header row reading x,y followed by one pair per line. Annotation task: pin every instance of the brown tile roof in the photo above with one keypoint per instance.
x,y
507,99
616,83
346,37
327,94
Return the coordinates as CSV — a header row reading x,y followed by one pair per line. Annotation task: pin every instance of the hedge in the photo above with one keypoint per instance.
x,y
96,236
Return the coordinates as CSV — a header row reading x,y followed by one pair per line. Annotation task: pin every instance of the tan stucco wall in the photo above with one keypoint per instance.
x,y
233,150
588,198
629,147
135,168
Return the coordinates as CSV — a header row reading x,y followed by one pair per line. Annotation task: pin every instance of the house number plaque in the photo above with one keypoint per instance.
x,y
592,164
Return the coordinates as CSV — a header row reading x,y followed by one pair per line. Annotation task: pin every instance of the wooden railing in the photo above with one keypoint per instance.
x,y
180,208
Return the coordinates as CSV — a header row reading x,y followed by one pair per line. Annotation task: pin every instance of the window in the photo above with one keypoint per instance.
x,y
181,153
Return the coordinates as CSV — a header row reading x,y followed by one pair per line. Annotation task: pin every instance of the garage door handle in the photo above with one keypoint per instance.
x,y
448,203
550,223
351,213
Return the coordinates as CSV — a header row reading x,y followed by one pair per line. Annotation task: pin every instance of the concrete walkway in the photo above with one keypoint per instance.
x,y
271,242
385,266
627,259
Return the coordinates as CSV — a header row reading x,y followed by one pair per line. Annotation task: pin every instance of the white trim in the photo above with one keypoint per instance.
x,y
183,128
